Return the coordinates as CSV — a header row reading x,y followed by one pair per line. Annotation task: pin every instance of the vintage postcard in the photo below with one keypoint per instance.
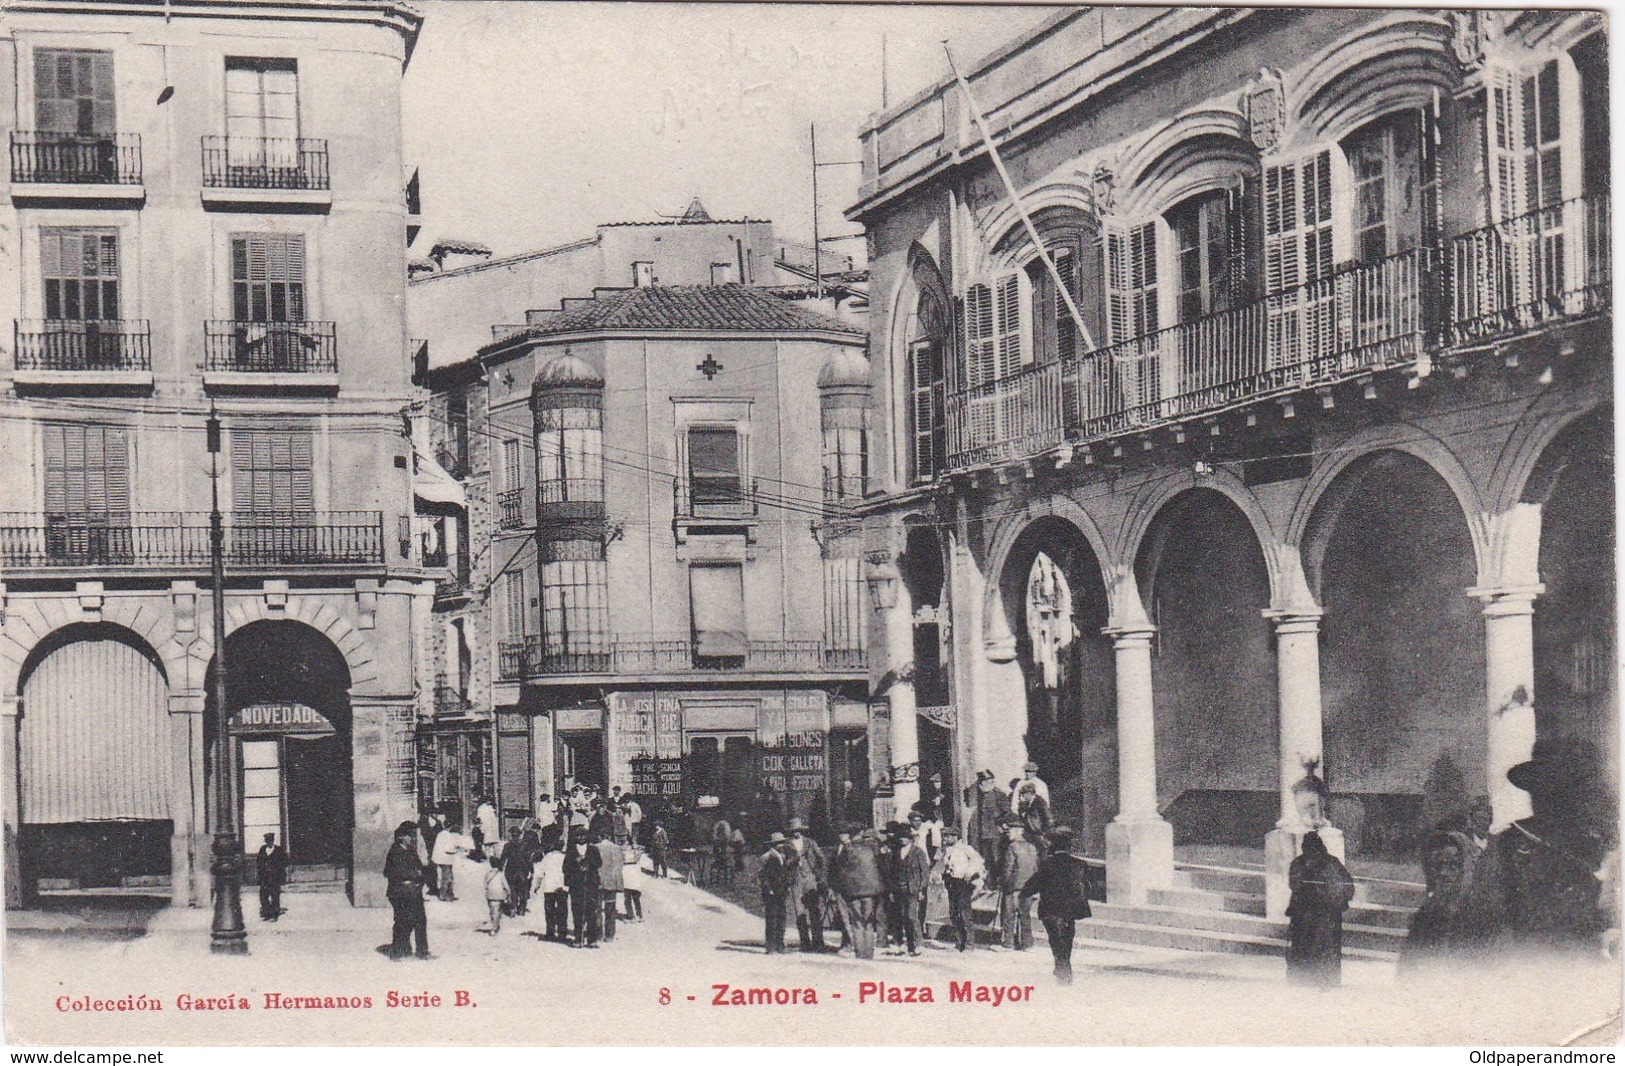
x,y
807,524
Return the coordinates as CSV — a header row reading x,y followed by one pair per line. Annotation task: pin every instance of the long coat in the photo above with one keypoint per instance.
x,y
855,871
271,865
908,873
985,810
1321,891
807,868
774,877
581,871
1062,887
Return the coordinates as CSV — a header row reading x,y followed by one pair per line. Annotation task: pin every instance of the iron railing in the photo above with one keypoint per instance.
x,y
531,658
40,157
1549,265
264,163
181,539
447,699
271,347
99,344
570,490
511,509
713,499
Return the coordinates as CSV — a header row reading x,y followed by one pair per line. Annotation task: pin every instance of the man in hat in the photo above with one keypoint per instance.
x,y
775,881
855,874
1542,881
910,874
271,870
808,872
1017,866
962,873
1062,887
403,871
1032,802
582,865
985,806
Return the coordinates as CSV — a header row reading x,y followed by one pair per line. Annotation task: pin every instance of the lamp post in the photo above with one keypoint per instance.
x,y
226,933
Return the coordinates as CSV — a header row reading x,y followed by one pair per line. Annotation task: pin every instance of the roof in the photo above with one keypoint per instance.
x,y
660,309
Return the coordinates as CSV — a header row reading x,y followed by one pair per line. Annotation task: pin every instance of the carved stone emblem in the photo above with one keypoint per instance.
x,y
1103,187
1471,33
1264,101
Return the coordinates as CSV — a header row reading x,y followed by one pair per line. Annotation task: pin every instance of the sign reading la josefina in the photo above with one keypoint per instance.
x,y
281,718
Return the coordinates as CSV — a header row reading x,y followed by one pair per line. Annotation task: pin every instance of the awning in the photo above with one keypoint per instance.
x,y
431,483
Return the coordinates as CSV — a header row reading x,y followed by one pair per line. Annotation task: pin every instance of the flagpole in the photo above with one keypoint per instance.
x,y
1015,198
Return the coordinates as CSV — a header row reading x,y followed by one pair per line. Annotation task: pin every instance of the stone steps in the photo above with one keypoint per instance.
x,y
1107,930
1355,935
1360,913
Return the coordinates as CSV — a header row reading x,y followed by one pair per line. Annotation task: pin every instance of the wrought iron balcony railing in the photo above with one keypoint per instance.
x,y
271,347
181,539
264,163
511,509
39,157
447,699
715,499
531,658
68,344
1547,266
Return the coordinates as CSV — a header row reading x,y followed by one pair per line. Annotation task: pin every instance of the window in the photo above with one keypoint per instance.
x,y
925,388
1055,335
272,480
643,274
1202,233
714,467
1131,282
87,492
268,277
262,112
73,93
1392,187
722,273
846,462
514,605
843,609
509,476
81,269
575,612
1298,253
717,614
570,454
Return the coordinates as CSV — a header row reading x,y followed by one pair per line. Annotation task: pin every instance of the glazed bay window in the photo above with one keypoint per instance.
x,y
715,471
81,290
570,454
575,612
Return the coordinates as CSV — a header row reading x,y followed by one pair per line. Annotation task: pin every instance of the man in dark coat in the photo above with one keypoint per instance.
x,y
775,880
519,857
1321,891
1447,926
910,870
581,865
855,874
1016,868
1062,887
808,876
404,872
985,806
271,870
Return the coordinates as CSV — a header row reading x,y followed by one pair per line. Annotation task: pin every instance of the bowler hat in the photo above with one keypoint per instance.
x,y
898,829
777,837
406,827
1557,763
1032,766
797,823
984,775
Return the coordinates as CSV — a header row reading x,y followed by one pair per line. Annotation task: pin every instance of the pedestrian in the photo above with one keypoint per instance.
x,y
774,878
963,872
738,843
1321,891
448,844
601,821
487,832
429,825
1016,868
1448,926
935,797
634,817
910,875
926,833
518,866
555,894
808,878
722,838
659,848
610,883
632,886
1032,803
403,874
581,875
855,873
1062,887
497,894
620,828
271,870
985,807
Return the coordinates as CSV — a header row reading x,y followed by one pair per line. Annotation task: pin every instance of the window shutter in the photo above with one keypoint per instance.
x,y
923,377
1143,277
1066,332
116,469
100,91
980,363
1297,253
1118,317
1009,352
302,463
56,470
242,471
1504,141
717,603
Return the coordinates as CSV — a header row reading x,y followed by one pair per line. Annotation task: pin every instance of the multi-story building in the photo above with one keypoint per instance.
x,y
1315,488
656,585
203,212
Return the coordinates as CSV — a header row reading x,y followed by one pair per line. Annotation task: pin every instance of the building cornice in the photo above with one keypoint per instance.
x,y
522,342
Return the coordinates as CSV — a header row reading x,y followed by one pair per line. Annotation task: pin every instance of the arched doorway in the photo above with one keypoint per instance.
x,y
94,762
287,695
1205,585
1576,674
1402,653
1055,602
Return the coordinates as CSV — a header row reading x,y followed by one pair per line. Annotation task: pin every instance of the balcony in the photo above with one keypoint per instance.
x,y
529,659
511,509
180,540
286,172
447,699
74,166
256,356
79,354
1546,267
728,506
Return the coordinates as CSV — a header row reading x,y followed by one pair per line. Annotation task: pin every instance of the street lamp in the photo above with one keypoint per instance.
x,y
226,933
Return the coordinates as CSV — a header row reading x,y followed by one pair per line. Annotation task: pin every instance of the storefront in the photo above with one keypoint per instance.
x,y
293,782
455,769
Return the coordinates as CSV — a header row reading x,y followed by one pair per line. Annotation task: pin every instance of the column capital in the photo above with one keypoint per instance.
x,y
1130,633
1294,619
1503,600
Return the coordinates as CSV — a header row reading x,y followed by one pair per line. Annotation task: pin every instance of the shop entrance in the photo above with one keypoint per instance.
x,y
580,759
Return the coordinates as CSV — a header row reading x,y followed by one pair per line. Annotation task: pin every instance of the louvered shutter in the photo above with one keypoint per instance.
x,y
980,363
924,381
56,467
73,92
1066,331
1118,307
1011,354
1298,254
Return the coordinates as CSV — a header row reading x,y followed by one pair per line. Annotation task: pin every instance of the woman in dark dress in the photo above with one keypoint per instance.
x,y
1321,891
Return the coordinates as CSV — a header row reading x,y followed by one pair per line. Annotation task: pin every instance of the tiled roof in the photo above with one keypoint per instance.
x,y
658,309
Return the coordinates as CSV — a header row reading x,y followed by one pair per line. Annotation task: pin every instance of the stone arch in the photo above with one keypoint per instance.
x,y
1007,244
1515,475
1057,505
319,614
1156,495
90,629
39,618
1200,151
1309,536
1398,61
922,279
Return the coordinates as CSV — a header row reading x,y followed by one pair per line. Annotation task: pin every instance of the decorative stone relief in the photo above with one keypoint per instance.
x,y
91,595
183,594
276,597
366,602
1264,103
1103,186
1471,34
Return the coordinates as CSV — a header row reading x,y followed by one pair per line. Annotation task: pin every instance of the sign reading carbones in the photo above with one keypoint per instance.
x,y
288,718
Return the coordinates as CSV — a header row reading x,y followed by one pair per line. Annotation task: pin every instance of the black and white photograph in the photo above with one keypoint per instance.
x,y
807,524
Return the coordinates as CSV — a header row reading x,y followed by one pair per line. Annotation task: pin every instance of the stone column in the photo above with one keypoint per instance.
x,y
1509,660
1139,843
1297,671
189,844
380,803
905,733
9,707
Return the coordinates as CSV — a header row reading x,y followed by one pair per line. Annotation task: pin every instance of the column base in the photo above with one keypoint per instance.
x,y
1139,857
1281,846
180,870
197,870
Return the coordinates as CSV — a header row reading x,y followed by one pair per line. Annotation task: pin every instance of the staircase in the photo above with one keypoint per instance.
x,y
1219,908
